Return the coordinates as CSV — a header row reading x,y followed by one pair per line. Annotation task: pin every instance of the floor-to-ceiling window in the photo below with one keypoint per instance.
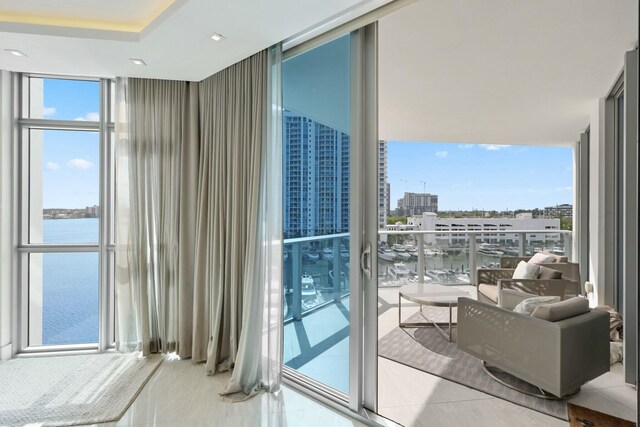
x,y
65,213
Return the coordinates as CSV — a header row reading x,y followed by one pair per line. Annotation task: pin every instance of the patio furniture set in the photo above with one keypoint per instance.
x,y
531,320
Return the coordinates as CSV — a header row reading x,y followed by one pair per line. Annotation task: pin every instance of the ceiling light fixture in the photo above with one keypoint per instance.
x,y
15,52
138,61
217,37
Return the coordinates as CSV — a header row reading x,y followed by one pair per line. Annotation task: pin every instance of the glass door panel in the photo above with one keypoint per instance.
x,y
316,163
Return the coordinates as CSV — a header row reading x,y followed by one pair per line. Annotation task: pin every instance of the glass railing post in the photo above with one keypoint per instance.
x,y
472,258
296,280
420,240
337,264
522,243
568,245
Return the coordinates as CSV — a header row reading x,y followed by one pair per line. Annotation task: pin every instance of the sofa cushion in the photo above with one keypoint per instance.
x,y
561,310
525,270
547,273
489,291
541,258
529,305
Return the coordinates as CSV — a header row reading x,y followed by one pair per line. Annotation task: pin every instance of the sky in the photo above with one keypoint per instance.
x,y
70,161
482,176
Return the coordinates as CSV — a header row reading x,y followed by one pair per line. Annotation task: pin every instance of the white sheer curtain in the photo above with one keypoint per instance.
x,y
156,138
199,246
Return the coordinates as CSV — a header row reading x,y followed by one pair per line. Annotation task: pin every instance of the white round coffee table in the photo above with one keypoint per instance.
x,y
433,295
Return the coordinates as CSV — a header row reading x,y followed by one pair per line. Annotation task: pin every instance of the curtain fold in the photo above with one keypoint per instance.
x,y
155,186
199,243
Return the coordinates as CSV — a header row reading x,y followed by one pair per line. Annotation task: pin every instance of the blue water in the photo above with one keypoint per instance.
x,y
70,284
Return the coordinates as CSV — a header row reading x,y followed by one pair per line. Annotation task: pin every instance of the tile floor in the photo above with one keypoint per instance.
x,y
417,399
179,394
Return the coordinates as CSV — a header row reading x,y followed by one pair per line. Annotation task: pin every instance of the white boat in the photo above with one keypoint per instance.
x,y
399,272
398,247
344,252
401,252
309,296
386,254
557,250
411,250
313,255
442,276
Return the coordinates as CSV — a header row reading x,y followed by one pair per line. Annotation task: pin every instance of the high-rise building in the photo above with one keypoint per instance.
x,y
316,178
417,203
383,186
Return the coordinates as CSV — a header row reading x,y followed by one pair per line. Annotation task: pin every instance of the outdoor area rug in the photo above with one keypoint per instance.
x,y
425,349
579,416
71,390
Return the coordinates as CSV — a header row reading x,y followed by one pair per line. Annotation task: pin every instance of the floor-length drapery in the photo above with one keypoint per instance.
x,y
199,227
156,145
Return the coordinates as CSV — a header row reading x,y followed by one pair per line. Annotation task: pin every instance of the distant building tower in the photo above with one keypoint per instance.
x,y
383,186
417,203
316,178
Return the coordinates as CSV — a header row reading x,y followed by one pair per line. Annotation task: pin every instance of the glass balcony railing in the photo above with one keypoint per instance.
x,y
316,273
452,257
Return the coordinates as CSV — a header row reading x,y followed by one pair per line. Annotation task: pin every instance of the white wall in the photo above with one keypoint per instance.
x,y
597,201
5,215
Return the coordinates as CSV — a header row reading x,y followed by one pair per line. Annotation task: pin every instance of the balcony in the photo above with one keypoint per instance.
x,y
316,283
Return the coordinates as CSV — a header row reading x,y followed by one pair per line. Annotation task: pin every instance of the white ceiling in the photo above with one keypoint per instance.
x,y
499,71
124,15
175,45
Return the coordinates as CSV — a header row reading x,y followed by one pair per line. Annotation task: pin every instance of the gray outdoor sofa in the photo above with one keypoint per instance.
x,y
558,357
491,282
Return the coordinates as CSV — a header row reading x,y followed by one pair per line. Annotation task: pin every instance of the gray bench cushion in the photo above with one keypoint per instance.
x,y
561,310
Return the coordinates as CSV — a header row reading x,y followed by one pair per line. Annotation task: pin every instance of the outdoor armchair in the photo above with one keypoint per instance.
x,y
558,357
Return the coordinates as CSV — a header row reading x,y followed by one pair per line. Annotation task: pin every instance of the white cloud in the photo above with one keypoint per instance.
x,y
442,154
563,188
494,147
48,111
466,146
89,117
79,164
52,166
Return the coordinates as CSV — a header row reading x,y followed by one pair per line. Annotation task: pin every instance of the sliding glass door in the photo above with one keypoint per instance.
x,y
316,160
329,116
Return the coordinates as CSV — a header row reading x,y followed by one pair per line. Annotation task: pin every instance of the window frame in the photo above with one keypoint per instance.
x,y
105,247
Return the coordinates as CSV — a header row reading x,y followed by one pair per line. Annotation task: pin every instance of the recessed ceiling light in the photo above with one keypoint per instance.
x,y
15,52
138,61
217,37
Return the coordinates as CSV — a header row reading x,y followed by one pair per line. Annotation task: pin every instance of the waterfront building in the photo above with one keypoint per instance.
x,y
417,203
499,228
563,210
316,178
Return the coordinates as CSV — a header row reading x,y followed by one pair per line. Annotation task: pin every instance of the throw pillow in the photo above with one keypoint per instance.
x,y
540,258
527,306
525,270
562,310
547,273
